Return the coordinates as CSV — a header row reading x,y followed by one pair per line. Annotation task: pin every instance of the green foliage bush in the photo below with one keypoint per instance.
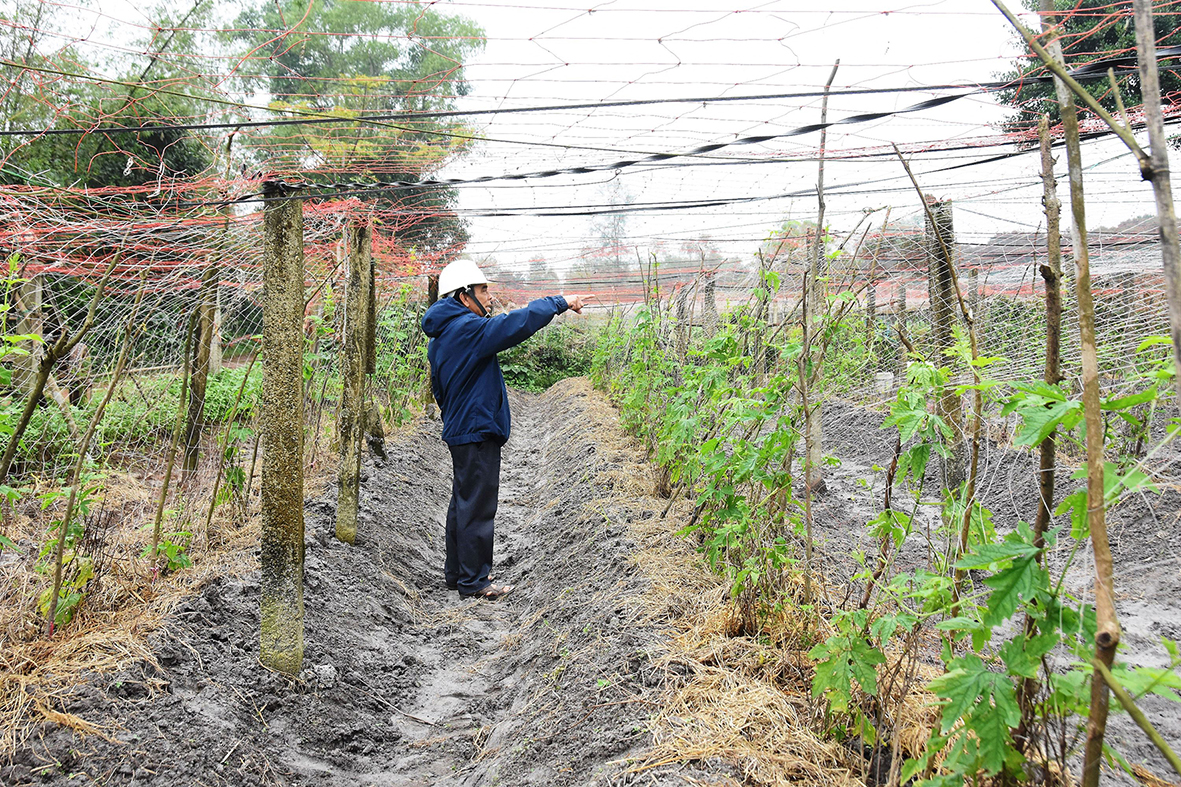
x,y
554,354
141,412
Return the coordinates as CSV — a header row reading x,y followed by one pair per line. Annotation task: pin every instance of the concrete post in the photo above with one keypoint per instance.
x,y
281,583
352,372
30,321
940,239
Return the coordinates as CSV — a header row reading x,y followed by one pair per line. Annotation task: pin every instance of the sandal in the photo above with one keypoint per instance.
x,y
491,592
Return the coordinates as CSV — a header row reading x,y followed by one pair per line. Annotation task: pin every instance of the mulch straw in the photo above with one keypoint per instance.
x,y
735,703
110,629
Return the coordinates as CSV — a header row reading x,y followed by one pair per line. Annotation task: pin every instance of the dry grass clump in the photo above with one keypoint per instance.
x,y
741,702
124,603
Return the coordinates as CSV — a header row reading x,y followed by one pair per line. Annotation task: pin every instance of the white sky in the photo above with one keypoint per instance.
x,y
554,53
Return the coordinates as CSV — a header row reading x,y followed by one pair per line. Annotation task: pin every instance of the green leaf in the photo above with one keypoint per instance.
x,y
1125,402
1040,388
1076,504
988,555
1022,656
8,543
842,659
1132,481
987,704
1040,421
1153,341
1011,586
1149,680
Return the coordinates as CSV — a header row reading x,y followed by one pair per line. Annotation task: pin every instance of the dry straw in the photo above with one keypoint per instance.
x,y
740,704
111,627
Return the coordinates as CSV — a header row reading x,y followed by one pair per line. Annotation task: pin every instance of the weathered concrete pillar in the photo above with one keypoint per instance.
x,y
900,320
871,323
370,288
682,327
281,584
215,348
709,311
202,350
350,424
432,289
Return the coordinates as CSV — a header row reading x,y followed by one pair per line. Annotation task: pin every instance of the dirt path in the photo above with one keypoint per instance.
x,y
404,682
407,684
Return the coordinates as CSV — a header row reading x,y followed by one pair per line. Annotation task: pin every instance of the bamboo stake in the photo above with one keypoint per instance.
x,y
1108,631
129,338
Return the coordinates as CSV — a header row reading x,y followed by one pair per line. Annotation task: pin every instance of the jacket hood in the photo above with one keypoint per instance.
x,y
440,313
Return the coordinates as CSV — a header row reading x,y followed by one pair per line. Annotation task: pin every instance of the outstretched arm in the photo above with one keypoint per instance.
x,y
508,330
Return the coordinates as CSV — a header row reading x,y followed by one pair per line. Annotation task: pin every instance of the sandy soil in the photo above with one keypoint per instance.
x,y
1144,531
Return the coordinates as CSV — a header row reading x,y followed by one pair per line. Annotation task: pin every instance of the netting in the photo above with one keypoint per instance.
x,y
663,159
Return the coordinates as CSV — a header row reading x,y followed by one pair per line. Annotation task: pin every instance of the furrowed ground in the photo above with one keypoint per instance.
x,y
577,678
619,660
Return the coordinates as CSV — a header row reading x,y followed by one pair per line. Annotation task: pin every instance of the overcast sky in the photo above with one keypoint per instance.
x,y
555,53
552,53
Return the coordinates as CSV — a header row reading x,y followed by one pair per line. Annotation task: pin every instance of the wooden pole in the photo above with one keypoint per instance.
x,y
1158,174
813,305
281,584
1047,452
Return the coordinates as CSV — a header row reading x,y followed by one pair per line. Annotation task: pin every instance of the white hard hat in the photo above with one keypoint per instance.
x,y
459,274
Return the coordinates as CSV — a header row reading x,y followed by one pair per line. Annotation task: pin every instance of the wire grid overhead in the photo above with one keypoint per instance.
x,y
287,88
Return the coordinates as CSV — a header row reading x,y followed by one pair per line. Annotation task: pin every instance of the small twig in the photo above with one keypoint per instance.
x,y
392,706
231,751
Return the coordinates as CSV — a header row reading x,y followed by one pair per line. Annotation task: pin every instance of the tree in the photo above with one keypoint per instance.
x,y
610,228
356,59
102,159
1093,30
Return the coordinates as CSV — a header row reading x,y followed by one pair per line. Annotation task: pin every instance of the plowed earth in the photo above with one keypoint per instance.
x,y
405,683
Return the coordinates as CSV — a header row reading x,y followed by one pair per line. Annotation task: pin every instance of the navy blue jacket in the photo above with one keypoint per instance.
x,y
465,374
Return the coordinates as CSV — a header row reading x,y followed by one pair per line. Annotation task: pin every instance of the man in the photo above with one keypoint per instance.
x,y
469,387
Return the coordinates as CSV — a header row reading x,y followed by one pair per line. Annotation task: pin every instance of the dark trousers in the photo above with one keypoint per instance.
x,y
475,489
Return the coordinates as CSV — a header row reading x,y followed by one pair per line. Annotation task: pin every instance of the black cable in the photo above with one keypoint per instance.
x,y
1096,69
278,190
